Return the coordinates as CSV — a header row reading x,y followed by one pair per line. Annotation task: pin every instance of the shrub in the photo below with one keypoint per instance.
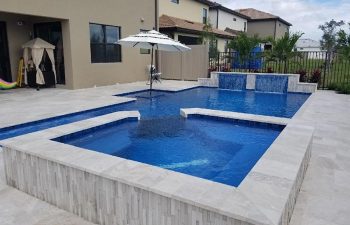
x,y
226,69
303,76
332,86
316,76
340,88
270,70
343,88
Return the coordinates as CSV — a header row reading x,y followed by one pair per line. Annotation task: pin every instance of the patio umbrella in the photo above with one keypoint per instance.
x,y
150,40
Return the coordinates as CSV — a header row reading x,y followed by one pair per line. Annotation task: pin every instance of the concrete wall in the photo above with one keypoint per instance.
x,y
222,44
189,65
227,20
267,28
213,17
76,16
262,28
186,9
281,29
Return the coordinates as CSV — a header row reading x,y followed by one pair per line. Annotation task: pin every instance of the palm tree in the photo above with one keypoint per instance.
x,y
244,46
209,38
283,49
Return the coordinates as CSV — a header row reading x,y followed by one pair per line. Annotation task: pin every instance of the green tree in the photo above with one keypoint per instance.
x,y
244,45
283,49
208,37
329,37
343,44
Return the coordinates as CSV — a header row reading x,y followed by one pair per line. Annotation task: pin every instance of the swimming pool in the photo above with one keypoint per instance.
x,y
217,150
169,103
261,103
112,183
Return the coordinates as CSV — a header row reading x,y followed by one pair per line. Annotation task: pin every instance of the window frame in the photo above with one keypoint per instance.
x,y
105,44
205,15
175,1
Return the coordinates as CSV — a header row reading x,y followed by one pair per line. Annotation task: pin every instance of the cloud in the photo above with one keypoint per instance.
x,y
305,15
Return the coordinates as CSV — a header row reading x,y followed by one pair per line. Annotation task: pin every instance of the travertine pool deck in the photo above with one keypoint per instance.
x,y
25,105
325,193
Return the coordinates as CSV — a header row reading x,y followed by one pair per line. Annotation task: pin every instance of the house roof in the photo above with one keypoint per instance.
x,y
232,31
255,15
206,2
176,24
307,43
217,6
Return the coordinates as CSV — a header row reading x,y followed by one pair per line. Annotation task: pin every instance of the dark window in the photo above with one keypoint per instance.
x,y
205,15
175,1
234,19
245,26
187,40
142,50
103,45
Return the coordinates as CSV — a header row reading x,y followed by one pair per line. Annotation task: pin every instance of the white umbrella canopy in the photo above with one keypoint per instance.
x,y
153,40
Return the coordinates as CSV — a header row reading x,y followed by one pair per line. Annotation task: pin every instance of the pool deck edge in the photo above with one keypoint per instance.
x,y
186,112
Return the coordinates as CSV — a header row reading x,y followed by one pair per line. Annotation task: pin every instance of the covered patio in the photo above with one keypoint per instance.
x,y
19,29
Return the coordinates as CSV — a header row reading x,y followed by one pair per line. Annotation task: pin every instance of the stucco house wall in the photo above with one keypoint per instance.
x,y
267,28
75,17
281,29
186,9
227,20
262,28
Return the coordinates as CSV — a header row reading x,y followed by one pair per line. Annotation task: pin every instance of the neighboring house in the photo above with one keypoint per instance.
x,y
226,19
84,33
307,45
311,47
184,20
265,24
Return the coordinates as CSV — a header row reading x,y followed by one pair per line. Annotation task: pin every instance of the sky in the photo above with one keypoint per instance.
x,y
305,15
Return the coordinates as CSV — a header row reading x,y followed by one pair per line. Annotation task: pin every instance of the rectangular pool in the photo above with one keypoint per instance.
x,y
221,151
262,103
169,103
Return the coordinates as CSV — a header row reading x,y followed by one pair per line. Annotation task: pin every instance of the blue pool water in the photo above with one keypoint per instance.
x,y
169,104
218,150
221,151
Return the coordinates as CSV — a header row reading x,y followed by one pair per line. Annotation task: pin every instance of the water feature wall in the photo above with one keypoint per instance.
x,y
271,83
281,83
237,82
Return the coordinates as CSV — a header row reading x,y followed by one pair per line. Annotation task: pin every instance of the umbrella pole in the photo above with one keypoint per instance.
x,y
151,78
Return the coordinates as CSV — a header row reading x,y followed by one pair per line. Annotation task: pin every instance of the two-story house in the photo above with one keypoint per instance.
x,y
184,21
265,24
84,33
226,19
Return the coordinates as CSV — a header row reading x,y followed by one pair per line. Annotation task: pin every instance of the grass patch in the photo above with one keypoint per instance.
x,y
341,88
